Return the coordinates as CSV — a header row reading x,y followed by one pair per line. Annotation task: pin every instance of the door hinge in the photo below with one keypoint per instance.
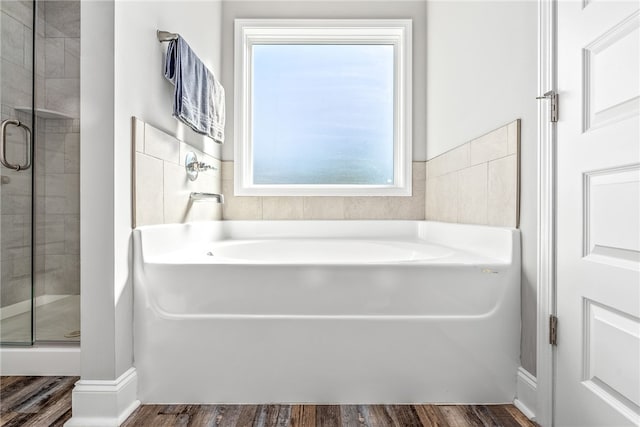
x,y
553,330
553,108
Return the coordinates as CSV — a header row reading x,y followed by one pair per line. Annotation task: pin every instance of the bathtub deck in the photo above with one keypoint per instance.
x,y
46,401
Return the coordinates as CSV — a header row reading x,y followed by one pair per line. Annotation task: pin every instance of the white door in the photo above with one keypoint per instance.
x,y
598,216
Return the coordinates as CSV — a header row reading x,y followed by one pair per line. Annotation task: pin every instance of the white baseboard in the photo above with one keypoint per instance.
x,y
103,403
41,360
526,395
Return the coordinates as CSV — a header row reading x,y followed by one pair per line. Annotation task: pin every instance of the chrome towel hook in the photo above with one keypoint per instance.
x,y
166,36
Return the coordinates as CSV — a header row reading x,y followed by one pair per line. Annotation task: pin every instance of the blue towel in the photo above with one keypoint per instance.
x,y
198,96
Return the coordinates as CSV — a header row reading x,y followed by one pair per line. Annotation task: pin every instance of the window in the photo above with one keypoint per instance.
x,y
323,107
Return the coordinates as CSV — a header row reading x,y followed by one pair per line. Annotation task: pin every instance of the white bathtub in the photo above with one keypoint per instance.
x,y
326,312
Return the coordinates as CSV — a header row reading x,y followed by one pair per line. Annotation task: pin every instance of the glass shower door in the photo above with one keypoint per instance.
x,y
16,172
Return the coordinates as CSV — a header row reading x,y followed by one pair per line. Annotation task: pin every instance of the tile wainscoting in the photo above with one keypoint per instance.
x,y
477,182
161,188
317,208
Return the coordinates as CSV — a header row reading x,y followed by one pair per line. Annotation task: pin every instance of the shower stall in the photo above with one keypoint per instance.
x,y
40,172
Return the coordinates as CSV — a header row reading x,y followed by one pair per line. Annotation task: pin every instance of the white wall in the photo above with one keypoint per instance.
x,y
481,68
141,87
96,191
122,77
353,9
481,74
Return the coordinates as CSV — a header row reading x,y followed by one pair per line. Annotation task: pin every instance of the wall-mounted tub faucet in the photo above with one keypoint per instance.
x,y
194,167
218,198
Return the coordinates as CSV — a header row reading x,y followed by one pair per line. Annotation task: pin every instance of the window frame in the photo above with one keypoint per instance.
x,y
249,32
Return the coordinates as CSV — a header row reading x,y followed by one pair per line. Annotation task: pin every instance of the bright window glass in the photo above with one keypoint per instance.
x,y
323,114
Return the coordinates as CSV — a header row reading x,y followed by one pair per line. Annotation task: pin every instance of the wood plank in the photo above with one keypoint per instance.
x,y
7,381
13,419
351,416
203,415
473,418
484,415
228,415
328,416
166,416
503,416
519,416
295,417
378,417
143,412
453,415
55,412
266,415
303,416
284,416
58,388
430,416
309,415
21,391
403,415
247,415
60,422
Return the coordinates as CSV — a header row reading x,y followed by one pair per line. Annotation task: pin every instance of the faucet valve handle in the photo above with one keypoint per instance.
x,y
192,166
202,166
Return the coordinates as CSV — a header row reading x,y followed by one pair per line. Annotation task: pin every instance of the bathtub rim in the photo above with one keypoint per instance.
x,y
501,244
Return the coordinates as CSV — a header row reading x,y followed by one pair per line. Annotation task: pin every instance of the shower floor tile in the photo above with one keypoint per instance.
x,y
58,320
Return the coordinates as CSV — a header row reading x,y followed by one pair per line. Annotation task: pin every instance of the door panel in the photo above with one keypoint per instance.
x,y
598,214
611,68
16,97
612,196
611,354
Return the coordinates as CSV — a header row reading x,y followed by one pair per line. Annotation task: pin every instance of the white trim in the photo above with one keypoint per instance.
x,y
104,402
25,306
41,360
397,32
546,212
526,393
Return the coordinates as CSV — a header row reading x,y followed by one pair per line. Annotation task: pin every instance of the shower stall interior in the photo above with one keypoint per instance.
x,y
40,172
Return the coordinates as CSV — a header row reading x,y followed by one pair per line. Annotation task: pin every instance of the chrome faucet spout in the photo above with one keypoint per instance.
x,y
218,198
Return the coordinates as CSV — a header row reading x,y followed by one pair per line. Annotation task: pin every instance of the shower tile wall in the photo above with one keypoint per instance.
x,y
16,55
58,152
62,57
58,232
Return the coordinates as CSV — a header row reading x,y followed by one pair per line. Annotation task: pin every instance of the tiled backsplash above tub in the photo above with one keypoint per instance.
x,y
477,182
291,208
161,188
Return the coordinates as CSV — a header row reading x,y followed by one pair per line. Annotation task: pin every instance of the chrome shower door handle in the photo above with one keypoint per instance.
x,y
3,144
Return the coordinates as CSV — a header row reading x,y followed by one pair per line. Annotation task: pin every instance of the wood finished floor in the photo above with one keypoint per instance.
x,y
46,401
